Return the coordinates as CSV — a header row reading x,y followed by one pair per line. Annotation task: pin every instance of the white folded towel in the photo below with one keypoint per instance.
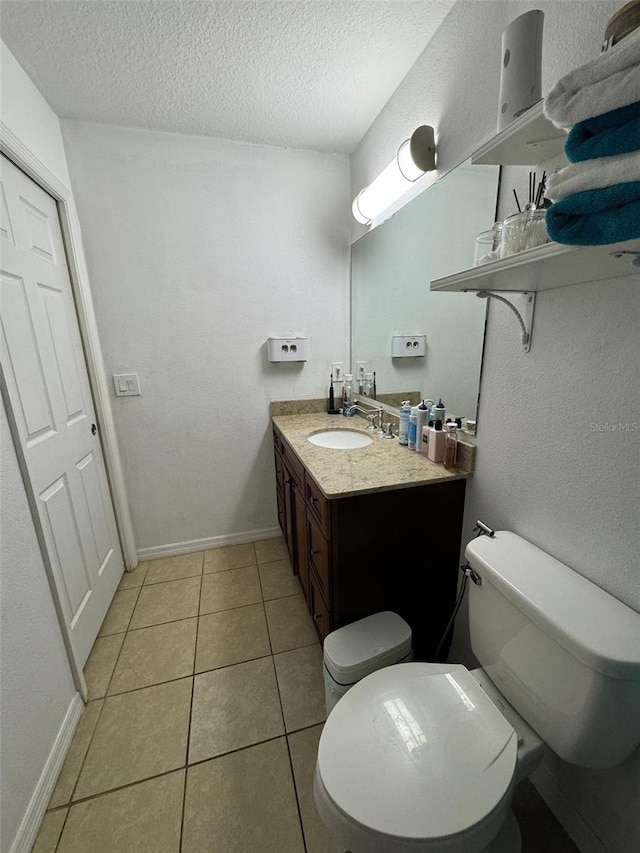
x,y
609,82
593,175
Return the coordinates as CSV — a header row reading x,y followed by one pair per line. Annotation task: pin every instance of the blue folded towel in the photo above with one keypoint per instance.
x,y
596,217
615,132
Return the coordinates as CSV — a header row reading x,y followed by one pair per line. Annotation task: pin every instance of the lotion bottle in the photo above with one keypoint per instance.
x,y
439,412
403,431
435,451
424,444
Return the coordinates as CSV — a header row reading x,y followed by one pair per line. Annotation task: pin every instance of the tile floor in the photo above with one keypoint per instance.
x,y
206,707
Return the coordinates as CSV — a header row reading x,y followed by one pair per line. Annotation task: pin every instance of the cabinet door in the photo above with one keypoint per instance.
x,y
318,607
320,506
277,456
289,514
319,557
301,563
282,521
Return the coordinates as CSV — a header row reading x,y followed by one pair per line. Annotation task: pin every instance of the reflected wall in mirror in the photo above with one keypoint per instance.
x,y
391,268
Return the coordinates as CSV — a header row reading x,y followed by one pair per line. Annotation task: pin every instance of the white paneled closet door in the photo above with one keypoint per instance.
x,y
46,381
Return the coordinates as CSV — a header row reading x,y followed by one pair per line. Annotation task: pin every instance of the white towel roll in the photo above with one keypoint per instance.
x,y
607,83
593,175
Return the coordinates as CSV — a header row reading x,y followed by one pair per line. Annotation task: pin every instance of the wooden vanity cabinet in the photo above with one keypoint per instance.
x,y
291,507
393,550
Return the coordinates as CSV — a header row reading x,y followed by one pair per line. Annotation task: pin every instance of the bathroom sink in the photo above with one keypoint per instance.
x,y
340,439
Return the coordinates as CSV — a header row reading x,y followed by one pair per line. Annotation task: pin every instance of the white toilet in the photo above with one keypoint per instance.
x,y
424,757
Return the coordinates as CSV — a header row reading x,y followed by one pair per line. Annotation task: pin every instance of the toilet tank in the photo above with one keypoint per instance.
x,y
564,652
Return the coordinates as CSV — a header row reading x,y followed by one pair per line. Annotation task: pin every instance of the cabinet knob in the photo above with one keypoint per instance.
x,y
315,551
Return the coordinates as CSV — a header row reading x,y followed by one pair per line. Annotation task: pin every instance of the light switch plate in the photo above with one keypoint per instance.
x,y
126,384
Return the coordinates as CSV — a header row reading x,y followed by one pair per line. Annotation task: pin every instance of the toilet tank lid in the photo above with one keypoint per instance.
x,y
588,622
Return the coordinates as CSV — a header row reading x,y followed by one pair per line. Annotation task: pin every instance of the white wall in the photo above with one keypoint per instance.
x,y
198,251
541,470
29,116
37,686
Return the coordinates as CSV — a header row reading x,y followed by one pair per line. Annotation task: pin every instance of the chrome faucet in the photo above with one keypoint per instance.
x,y
377,413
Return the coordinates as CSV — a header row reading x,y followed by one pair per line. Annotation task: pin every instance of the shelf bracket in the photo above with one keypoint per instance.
x,y
526,321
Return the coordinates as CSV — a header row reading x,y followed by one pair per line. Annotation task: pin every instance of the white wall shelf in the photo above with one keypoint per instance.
x,y
528,140
546,268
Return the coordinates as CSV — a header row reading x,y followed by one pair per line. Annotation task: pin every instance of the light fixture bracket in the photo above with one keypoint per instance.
x,y
423,147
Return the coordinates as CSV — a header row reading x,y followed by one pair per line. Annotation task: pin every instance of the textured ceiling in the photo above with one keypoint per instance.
x,y
304,73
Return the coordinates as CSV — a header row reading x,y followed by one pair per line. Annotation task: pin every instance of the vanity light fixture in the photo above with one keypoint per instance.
x,y
526,322
415,156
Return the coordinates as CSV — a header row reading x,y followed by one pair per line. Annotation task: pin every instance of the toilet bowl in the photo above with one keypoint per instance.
x,y
418,758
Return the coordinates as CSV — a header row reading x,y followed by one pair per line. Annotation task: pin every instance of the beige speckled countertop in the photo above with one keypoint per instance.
x,y
381,466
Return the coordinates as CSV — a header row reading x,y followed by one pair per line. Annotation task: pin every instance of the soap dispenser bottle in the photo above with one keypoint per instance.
x,y
403,431
439,412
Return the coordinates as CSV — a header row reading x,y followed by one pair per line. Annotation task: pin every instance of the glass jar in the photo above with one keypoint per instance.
x,y
522,231
450,445
488,245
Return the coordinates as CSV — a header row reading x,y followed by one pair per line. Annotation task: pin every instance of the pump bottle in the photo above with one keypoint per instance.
x,y
403,431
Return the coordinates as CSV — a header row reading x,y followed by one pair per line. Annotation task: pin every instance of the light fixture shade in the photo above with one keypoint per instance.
x,y
415,157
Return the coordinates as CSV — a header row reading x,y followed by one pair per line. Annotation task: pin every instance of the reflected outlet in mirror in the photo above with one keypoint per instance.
x,y
391,268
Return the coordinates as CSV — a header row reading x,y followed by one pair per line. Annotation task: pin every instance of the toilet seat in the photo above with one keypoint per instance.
x,y
416,757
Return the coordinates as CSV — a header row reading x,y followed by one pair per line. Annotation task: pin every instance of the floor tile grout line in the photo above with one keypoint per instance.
x,y
295,791
295,648
64,823
186,760
124,639
235,607
286,736
275,675
133,610
234,751
145,585
193,690
196,672
230,569
186,766
117,788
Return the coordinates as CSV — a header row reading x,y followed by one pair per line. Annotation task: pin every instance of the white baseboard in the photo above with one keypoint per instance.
x,y
572,821
175,548
30,824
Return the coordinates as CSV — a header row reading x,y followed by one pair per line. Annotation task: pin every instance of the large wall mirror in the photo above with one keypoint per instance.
x,y
391,268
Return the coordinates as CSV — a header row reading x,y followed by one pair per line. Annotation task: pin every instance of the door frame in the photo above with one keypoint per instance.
x,y
15,150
